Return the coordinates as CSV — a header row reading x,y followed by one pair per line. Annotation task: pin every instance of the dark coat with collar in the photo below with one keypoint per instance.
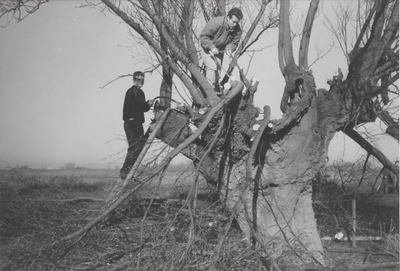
x,y
135,104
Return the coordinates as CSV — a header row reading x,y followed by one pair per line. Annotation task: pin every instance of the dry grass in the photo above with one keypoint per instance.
x,y
154,230
138,236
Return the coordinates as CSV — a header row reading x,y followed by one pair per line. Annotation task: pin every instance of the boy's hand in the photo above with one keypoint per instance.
x,y
214,51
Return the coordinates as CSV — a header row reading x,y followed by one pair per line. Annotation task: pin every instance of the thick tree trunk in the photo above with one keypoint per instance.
x,y
281,192
275,202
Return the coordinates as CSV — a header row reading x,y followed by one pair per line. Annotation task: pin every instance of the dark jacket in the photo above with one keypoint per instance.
x,y
217,34
135,104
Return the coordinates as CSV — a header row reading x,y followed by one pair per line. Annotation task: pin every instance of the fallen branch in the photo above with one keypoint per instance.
x,y
118,188
119,199
236,89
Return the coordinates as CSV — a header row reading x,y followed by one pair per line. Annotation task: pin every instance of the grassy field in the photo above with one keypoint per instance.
x,y
152,230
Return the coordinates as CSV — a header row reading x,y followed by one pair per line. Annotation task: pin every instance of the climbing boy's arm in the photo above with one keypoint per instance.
x,y
207,34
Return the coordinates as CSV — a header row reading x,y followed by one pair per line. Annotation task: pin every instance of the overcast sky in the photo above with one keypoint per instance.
x,y
54,63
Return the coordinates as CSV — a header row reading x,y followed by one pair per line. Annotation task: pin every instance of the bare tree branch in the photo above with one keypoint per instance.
x,y
272,23
240,50
187,22
392,125
211,96
18,9
306,35
154,44
204,9
285,47
392,27
348,130
364,29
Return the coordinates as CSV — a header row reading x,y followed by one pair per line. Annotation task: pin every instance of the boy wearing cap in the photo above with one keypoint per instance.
x,y
135,105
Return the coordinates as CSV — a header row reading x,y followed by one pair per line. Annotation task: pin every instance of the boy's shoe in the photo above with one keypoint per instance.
x,y
217,89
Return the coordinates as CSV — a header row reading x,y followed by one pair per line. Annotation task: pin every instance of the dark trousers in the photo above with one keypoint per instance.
x,y
134,135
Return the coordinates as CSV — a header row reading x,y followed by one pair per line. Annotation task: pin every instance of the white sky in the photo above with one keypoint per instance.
x,y
53,112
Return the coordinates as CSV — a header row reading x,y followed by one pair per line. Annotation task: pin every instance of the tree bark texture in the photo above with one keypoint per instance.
x,y
280,187
276,200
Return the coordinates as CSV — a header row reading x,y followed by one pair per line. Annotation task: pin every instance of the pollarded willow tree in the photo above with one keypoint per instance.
x,y
264,176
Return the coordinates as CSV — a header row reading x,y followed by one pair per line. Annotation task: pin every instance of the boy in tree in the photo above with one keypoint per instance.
x,y
220,34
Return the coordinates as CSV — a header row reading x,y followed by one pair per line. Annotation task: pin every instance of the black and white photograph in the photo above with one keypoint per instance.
x,y
199,135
